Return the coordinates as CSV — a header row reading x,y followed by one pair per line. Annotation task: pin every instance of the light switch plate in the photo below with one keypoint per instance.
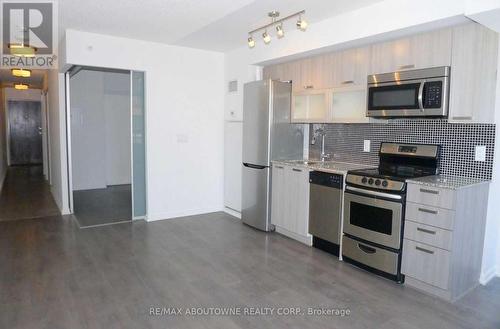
x,y
480,153
366,145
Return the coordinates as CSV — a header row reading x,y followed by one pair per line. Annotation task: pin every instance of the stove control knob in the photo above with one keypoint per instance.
x,y
377,182
364,180
370,181
385,183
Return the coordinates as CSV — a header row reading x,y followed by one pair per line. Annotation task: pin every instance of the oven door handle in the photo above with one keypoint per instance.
x,y
421,96
374,193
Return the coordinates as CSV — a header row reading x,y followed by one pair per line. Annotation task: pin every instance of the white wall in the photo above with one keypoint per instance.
x,y
88,147
3,138
100,129
117,127
57,136
184,117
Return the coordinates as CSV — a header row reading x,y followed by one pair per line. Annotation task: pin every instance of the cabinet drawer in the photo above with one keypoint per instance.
x,y
430,235
431,196
428,215
426,263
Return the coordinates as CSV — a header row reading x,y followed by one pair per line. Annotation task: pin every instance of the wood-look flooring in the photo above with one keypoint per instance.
x,y
54,275
26,194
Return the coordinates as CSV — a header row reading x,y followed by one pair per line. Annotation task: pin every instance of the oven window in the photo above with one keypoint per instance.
x,y
371,218
395,97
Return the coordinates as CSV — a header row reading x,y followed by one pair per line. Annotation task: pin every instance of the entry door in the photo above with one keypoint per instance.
x,y
25,127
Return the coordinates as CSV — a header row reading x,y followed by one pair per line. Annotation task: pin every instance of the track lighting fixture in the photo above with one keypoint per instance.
x,y
251,42
266,37
301,24
278,25
279,31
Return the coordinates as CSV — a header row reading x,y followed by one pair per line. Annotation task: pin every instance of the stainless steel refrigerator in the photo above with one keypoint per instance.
x,y
267,135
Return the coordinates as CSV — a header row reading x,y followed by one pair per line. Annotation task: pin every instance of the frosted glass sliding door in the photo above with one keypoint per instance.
x,y
138,145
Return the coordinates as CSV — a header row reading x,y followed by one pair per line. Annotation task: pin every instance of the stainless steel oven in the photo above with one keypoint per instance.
x,y
414,93
375,216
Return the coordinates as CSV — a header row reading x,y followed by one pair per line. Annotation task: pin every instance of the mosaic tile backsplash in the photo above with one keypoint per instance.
x,y
344,142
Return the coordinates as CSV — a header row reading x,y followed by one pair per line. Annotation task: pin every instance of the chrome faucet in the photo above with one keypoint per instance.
x,y
321,132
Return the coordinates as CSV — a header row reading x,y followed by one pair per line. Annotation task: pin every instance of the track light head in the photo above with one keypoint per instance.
x,y
251,42
266,37
279,31
302,24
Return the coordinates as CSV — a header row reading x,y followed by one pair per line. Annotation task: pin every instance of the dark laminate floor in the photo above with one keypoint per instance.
x,y
26,194
54,275
103,206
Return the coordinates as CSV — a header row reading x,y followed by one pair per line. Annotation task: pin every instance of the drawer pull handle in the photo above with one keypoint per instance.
x,y
309,87
278,167
347,82
462,118
425,250
406,67
298,170
423,190
425,231
366,249
434,212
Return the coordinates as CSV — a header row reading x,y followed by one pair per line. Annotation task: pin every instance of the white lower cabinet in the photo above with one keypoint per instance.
x,y
290,202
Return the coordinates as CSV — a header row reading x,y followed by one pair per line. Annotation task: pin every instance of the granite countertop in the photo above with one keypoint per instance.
x,y
335,167
446,181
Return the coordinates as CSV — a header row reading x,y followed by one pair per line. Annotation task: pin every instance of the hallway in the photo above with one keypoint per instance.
x,y
26,194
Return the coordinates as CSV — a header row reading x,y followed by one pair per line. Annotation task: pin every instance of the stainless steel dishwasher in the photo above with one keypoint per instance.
x,y
325,210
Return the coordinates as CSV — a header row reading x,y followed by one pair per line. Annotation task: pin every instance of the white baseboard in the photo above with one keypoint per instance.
x,y
182,213
304,239
232,212
488,275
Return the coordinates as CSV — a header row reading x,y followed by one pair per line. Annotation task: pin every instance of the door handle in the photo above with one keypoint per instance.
x,y
367,249
421,96
253,166
295,169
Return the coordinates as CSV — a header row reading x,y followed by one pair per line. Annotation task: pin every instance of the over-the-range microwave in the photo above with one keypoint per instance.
x,y
415,93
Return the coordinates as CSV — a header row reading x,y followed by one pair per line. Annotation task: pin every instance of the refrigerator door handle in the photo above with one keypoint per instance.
x,y
253,166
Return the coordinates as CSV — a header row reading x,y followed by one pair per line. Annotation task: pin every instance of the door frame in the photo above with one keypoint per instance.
x,y
67,75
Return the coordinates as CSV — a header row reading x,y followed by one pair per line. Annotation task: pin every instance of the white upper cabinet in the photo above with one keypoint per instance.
x,y
325,86
473,74
419,51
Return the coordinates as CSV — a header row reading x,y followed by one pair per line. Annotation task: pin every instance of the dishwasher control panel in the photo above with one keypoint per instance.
x,y
326,179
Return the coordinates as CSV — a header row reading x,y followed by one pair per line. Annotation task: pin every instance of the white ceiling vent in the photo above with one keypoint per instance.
x,y
232,86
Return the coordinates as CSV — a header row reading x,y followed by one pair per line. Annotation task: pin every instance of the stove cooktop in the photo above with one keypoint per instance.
x,y
395,173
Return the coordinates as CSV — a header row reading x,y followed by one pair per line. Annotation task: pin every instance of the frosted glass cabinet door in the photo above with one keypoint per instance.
x,y
138,145
349,105
311,107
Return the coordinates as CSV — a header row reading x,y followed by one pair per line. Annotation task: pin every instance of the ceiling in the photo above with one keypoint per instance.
x,y
219,25
35,81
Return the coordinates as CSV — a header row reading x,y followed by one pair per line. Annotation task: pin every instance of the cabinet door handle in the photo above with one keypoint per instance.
x,y
425,250
298,170
425,231
406,67
347,82
278,167
309,87
462,118
434,212
423,190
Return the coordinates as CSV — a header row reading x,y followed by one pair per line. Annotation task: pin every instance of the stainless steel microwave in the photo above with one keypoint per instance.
x,y
415,93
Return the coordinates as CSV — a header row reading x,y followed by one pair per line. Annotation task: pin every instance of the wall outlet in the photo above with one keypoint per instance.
x,y
480,153
366,145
